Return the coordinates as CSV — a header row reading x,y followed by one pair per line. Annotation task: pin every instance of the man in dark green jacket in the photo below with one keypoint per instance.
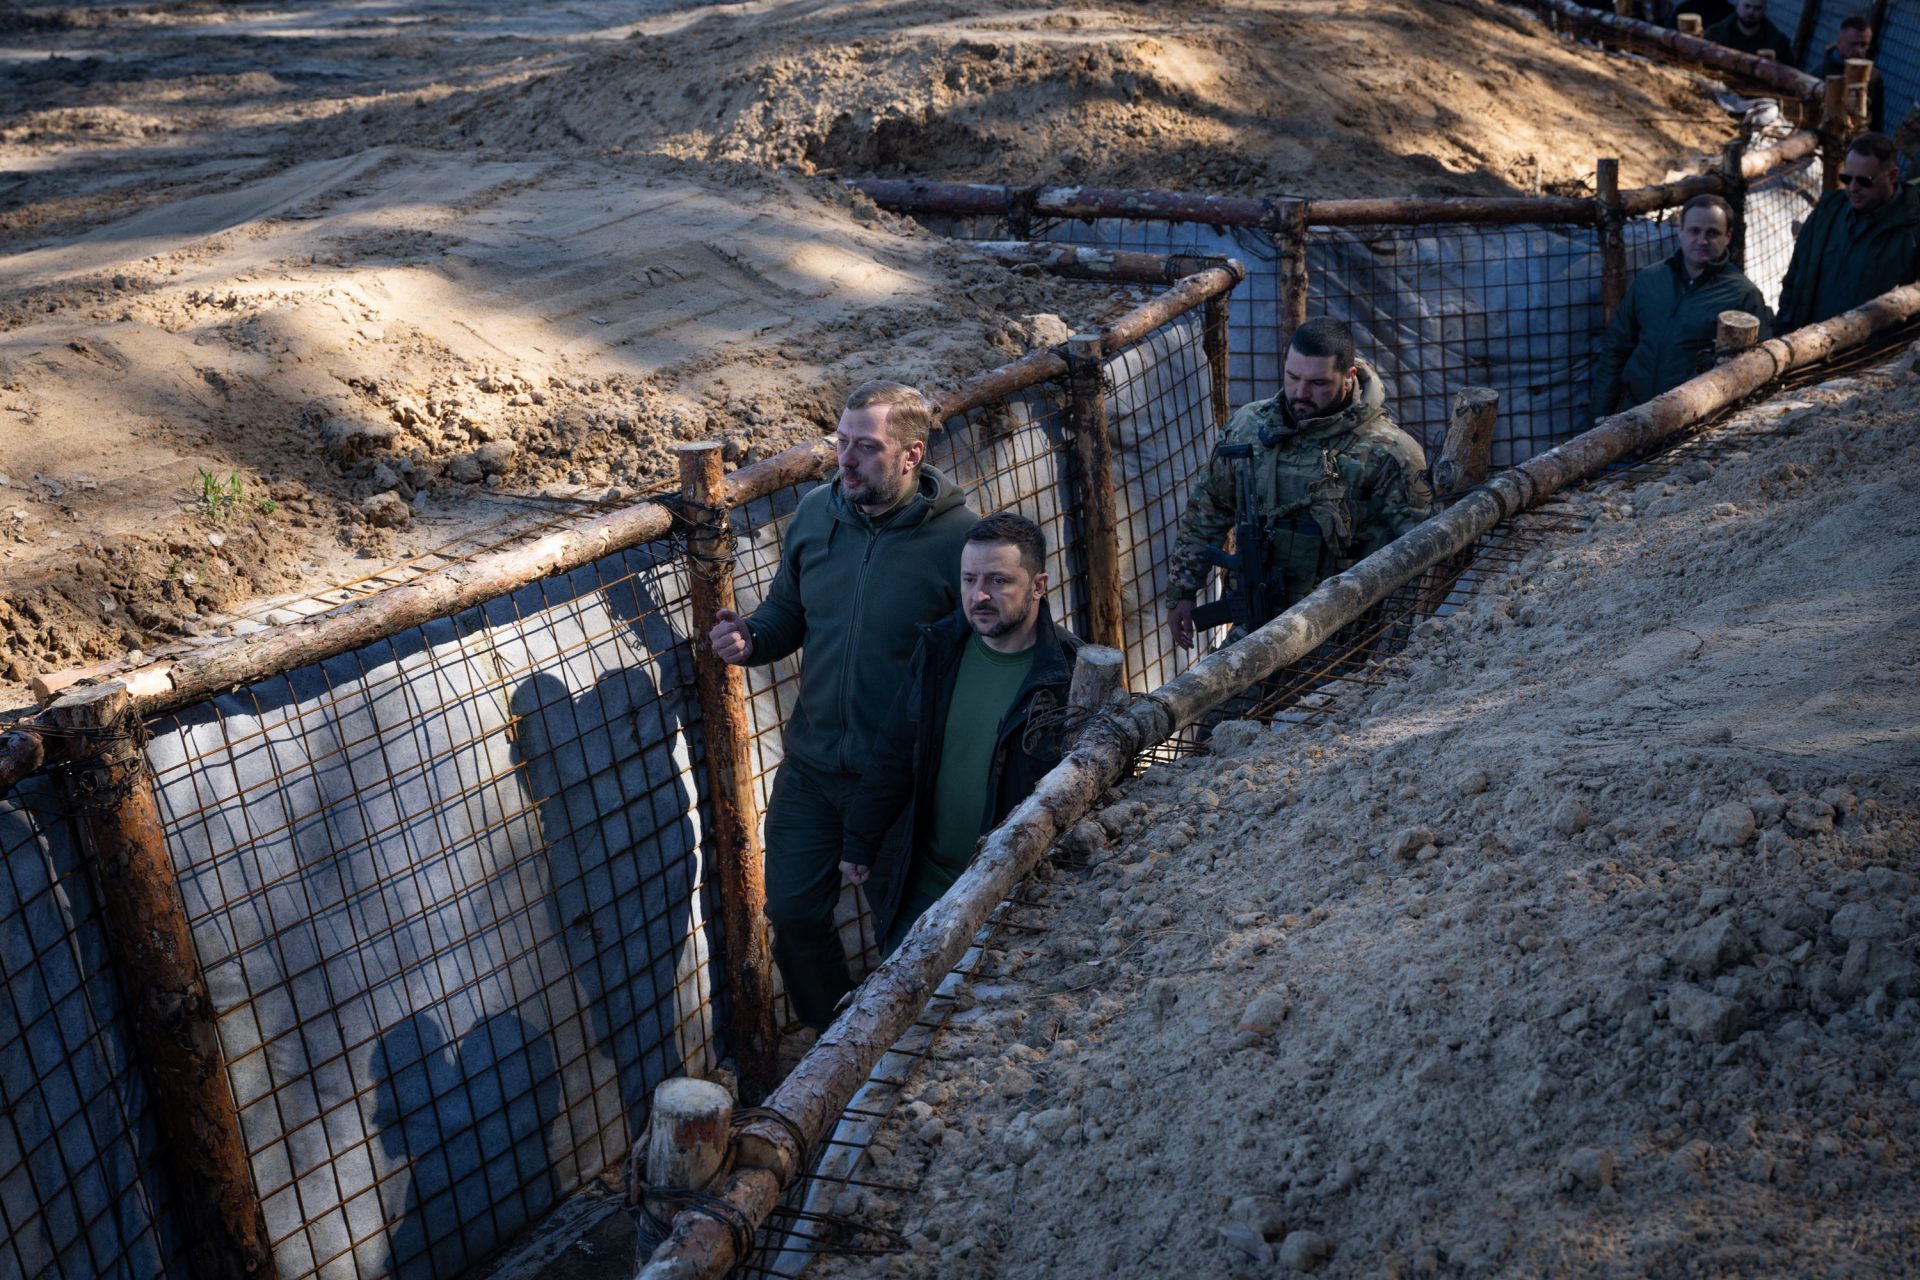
x,y
1861,240
1748,30
969,735
865,560
1664,331
1855,41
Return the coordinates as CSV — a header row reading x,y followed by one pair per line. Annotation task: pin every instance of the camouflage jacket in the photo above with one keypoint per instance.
x,y
1331,490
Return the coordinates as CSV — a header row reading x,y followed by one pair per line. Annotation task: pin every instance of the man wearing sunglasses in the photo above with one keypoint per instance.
x,y
1861,241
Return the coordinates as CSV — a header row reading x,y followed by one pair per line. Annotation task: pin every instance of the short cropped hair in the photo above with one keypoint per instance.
x,y
1856,22
1877,145
1325,336
1709,202
1024,535
909,416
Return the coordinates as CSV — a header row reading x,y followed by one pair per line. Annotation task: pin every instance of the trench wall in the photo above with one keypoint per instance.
x,y
1439,307
451,892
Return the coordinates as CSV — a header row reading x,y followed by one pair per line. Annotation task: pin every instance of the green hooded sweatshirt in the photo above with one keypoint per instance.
x,y
1664,332
854,591
1331,489
1842,260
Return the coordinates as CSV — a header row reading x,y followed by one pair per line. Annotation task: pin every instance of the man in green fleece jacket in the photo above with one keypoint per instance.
x,y
866,560
1861,240
1664,331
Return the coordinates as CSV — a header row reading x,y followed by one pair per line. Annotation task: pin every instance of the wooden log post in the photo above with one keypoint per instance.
x,y
1465,458
688,1134
1290,238
1858,75
1771,55
174,1029
1215,340
1690,24
735,847
1624,8
1834,131
1734,335
1734,188
1098,676
1468,449
1803,31
1610,220
1099,519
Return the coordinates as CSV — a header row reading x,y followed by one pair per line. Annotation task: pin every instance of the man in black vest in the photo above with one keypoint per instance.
x,y
970,733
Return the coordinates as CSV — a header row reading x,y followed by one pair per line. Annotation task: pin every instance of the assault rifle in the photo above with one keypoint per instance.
x,y
1251,597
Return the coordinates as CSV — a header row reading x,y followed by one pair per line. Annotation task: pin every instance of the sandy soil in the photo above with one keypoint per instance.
x,y
293,290
1585,947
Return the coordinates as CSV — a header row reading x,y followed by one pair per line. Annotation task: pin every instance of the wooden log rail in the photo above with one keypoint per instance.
x,y
1696,51
770,1155
1280,216
173,683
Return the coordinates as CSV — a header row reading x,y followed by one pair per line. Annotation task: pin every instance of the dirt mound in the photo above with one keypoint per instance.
x,y
370,341
1587,946
1348,99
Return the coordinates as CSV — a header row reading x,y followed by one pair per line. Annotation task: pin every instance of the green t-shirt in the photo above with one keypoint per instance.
x,y
982,692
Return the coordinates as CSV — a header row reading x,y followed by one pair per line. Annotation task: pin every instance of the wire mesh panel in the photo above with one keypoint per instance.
x,y
1160,415
1438,308
448,894
1897,60
1776,208
80,1195
1253,310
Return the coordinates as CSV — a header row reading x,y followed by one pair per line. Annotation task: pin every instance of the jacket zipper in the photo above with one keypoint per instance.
x,y
846,661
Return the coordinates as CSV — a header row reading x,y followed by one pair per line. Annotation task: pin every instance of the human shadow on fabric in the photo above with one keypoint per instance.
x,y
610,774
471,1124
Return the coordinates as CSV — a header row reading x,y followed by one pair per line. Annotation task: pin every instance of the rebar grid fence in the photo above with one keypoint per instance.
x,y
1776,206
1437,307
448,893
80,1192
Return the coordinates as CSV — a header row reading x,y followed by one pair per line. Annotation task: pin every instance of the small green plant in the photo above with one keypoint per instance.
x,y
219,499
173,568
265,506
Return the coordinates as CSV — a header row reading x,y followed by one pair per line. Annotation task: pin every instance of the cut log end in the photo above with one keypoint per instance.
x,y
1098,672
1691,24
687,1135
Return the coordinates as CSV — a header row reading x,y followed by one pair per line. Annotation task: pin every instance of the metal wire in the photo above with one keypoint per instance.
x,y
80,1190
448,895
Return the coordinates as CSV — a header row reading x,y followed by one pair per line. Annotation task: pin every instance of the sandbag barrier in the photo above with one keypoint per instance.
x,y
769,1157
412,902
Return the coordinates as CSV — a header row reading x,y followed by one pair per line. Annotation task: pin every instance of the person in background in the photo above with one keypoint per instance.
x,y
1854,41
1748,30
865,559
968,737
1664,331
1859,242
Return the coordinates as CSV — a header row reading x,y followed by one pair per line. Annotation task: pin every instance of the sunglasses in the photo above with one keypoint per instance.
x,y
1859,179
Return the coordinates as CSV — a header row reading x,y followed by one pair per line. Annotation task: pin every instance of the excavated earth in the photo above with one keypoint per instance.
x,y
292,291
1585,946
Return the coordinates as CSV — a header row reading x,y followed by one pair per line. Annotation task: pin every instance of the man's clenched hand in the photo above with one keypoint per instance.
x,y
731,640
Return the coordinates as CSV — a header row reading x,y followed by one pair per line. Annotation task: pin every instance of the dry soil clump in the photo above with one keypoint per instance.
x,y
1586,946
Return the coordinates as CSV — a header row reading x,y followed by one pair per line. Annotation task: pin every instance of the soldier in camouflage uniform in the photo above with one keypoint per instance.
x,y
1334,478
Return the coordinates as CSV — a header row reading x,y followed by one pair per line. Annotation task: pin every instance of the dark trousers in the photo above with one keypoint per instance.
x,y
803,885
